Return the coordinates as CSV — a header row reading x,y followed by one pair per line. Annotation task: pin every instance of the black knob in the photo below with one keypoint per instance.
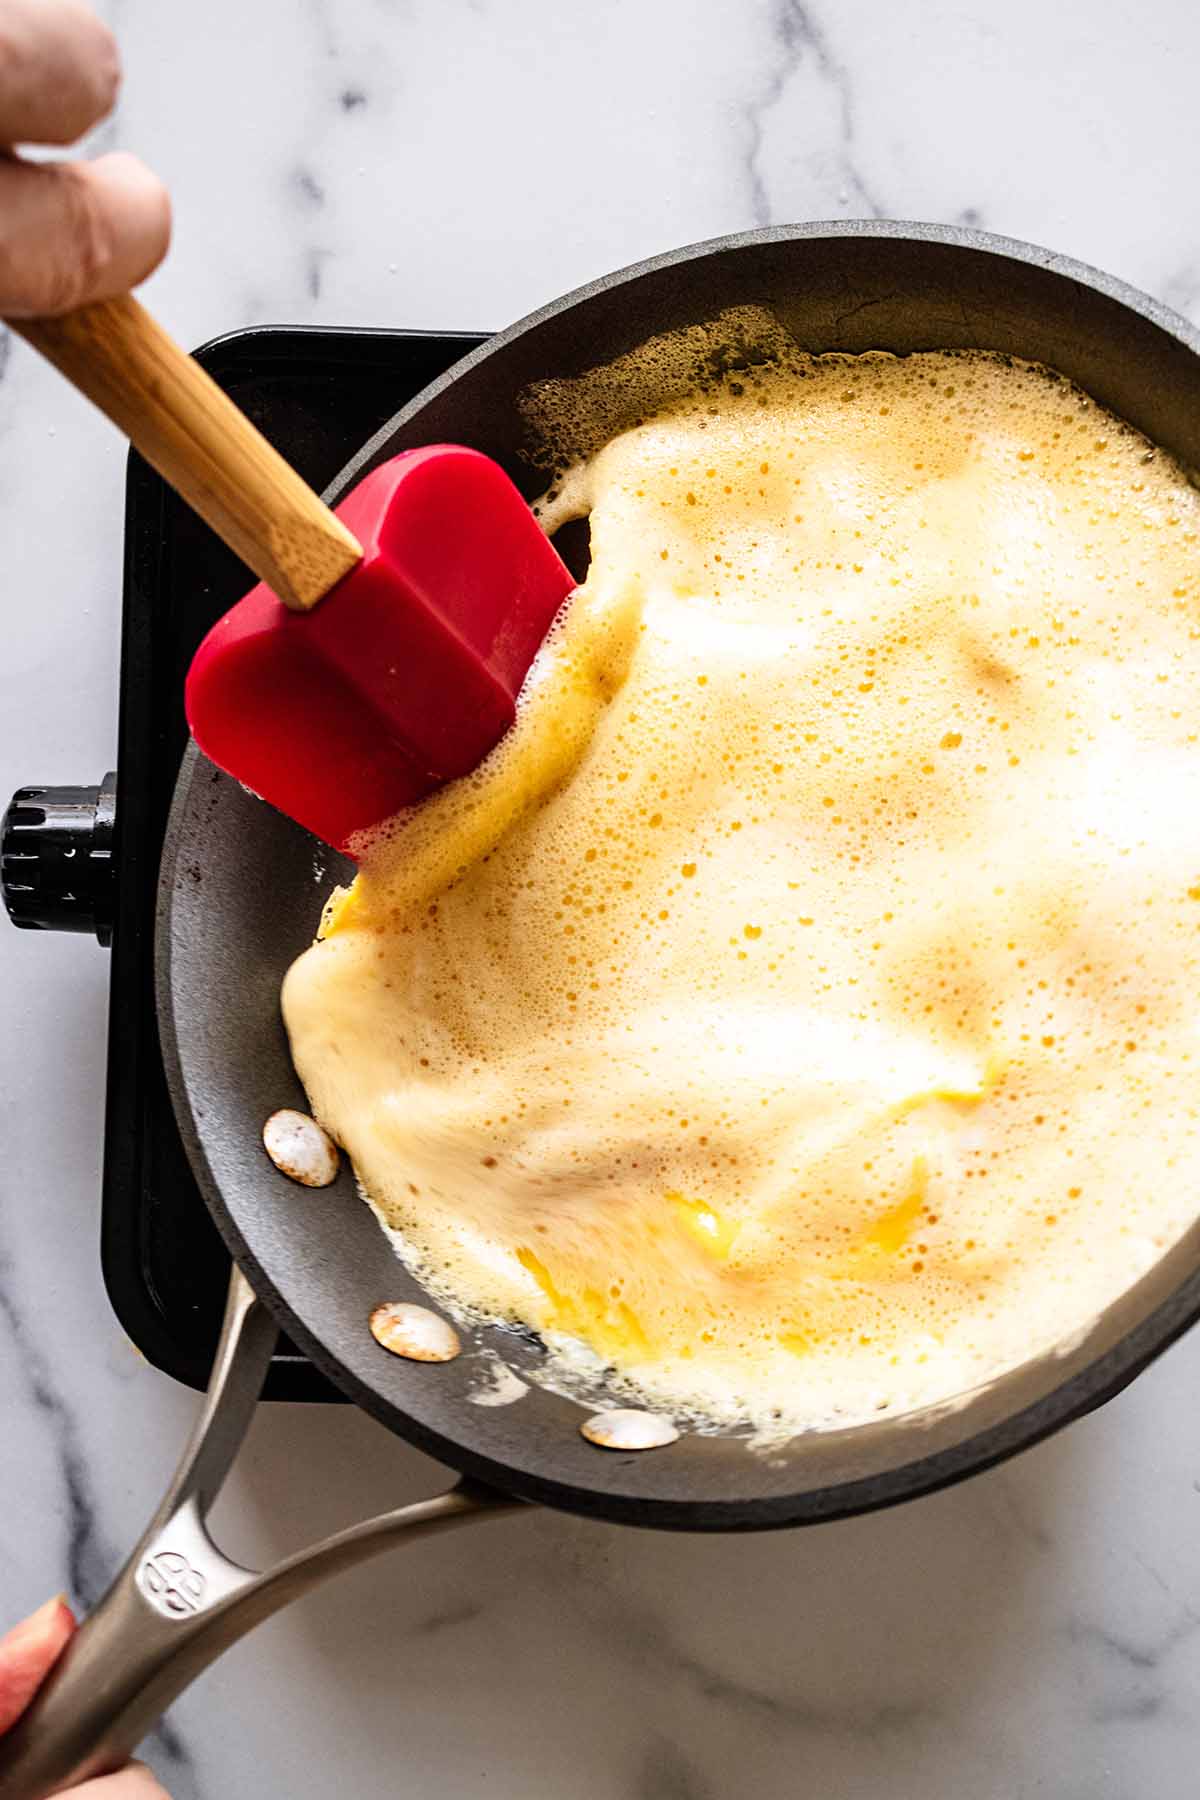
x,y
56,863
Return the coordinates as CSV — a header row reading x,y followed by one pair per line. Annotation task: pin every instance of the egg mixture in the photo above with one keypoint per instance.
x,y
796,1016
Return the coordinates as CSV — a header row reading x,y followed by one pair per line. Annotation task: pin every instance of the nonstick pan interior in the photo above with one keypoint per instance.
x,y
241,889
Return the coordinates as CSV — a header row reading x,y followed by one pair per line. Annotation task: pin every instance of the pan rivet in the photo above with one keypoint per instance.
x,y
300,1148
415,1332
625,1428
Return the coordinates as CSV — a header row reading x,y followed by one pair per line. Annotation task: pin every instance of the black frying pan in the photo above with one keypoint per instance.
x,y
319,1262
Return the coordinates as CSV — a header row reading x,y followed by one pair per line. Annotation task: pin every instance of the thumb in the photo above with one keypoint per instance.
x,y
27,1654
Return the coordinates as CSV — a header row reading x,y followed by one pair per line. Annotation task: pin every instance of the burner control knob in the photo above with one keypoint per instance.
x,y
56,864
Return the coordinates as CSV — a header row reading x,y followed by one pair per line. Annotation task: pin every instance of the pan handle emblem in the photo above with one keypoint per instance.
x,y
171,1582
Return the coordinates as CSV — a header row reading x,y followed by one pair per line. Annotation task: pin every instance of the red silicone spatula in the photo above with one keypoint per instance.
x,y
383,651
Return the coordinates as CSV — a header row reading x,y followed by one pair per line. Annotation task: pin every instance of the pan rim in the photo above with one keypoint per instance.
x,y
906,230
1095,1380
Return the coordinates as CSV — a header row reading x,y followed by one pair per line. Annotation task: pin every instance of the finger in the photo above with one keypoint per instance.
x,y
27,1653
72,232
59,71
133,1783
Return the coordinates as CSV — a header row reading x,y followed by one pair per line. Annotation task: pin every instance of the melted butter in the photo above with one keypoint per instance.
x,y
704,1225
893,1229
797,1010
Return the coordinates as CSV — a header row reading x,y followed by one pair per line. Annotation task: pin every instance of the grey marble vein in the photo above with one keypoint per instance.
x,y
1012,1508
309,190
665,1772
90,1560
172,1759
322,21
1128,1680
1133,1709
1155,1575
849,1719
797,37
647,1641
89,1563
314,263
446,1619
1147,1654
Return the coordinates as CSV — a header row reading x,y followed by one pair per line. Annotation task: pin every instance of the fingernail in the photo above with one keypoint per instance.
x,y
41,1620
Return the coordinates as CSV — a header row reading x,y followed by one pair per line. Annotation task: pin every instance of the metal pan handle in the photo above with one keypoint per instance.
x,y
179,1601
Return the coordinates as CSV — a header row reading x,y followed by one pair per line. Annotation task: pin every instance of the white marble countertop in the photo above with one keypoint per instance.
x,y
453,163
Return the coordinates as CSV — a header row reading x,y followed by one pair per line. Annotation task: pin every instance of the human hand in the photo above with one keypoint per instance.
x,y
26,1657
70,232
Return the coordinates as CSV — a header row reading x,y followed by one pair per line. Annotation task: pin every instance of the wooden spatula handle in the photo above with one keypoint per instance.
x,y
193,434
